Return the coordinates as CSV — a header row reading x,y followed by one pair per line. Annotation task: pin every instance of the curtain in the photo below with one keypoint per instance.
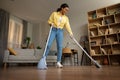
x,y
15,33
4,26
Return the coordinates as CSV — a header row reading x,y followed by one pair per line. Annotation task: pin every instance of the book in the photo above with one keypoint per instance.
x,y
92,52
110,31
100,32
103,51
109,41
106,31
92,33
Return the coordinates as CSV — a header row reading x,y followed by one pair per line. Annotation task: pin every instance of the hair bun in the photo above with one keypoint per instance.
x,y
59,9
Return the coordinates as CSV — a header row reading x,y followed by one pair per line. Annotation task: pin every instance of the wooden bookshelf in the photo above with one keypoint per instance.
x,y
104,34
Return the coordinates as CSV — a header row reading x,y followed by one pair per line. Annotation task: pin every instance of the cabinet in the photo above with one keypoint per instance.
x,y
104,34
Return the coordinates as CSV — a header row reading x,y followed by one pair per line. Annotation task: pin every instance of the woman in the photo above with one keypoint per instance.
x,y
58,20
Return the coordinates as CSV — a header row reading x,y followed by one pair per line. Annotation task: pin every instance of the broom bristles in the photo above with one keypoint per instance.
x,y
42,64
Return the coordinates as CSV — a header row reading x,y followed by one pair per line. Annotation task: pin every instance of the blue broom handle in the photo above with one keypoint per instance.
x,y
47,41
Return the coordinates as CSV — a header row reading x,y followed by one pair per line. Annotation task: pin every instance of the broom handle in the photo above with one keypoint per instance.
x,y
47,41
83,49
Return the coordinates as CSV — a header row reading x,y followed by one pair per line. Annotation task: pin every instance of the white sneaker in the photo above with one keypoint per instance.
x,y
59,65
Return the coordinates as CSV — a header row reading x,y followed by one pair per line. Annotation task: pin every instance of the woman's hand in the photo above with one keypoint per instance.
x,y
71,36
51,24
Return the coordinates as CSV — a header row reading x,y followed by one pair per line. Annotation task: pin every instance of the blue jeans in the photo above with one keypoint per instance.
x,y
56,33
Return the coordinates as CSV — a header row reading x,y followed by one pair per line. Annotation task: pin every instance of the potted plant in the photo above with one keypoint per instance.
x,y
27,40
38,47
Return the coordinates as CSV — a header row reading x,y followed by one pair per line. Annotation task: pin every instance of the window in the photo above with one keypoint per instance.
x,y
15,32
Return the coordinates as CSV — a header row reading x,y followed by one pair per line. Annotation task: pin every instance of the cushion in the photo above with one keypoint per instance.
x,y
12,51
24,52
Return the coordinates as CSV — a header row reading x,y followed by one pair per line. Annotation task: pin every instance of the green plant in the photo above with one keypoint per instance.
x,y
38,47
27,40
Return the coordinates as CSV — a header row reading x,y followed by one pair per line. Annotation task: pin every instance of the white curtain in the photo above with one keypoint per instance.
x,y
15,33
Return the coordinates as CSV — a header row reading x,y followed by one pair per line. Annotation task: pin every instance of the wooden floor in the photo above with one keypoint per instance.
x,y
66,73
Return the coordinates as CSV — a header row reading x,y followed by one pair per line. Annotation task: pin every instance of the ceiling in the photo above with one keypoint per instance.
x,y
33,10
39,10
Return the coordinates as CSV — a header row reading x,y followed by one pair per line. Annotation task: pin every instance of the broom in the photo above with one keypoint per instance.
x,y
42,63
95,62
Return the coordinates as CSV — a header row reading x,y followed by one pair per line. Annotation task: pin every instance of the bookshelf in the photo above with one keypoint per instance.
x,y
104,34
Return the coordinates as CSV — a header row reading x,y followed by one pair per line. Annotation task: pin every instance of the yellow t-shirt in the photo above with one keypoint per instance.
x,y
59,21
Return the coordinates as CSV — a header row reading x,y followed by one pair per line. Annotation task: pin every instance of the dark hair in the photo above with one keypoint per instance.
x,y
62,6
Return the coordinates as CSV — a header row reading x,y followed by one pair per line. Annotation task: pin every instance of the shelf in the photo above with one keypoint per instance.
x,y
96,20
104,34
117,18
111,39
103,30
93,32
95,50
99,40
98,55
106,50
115,27
92,15
113,9
109,19
101,12
102,45
116,49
